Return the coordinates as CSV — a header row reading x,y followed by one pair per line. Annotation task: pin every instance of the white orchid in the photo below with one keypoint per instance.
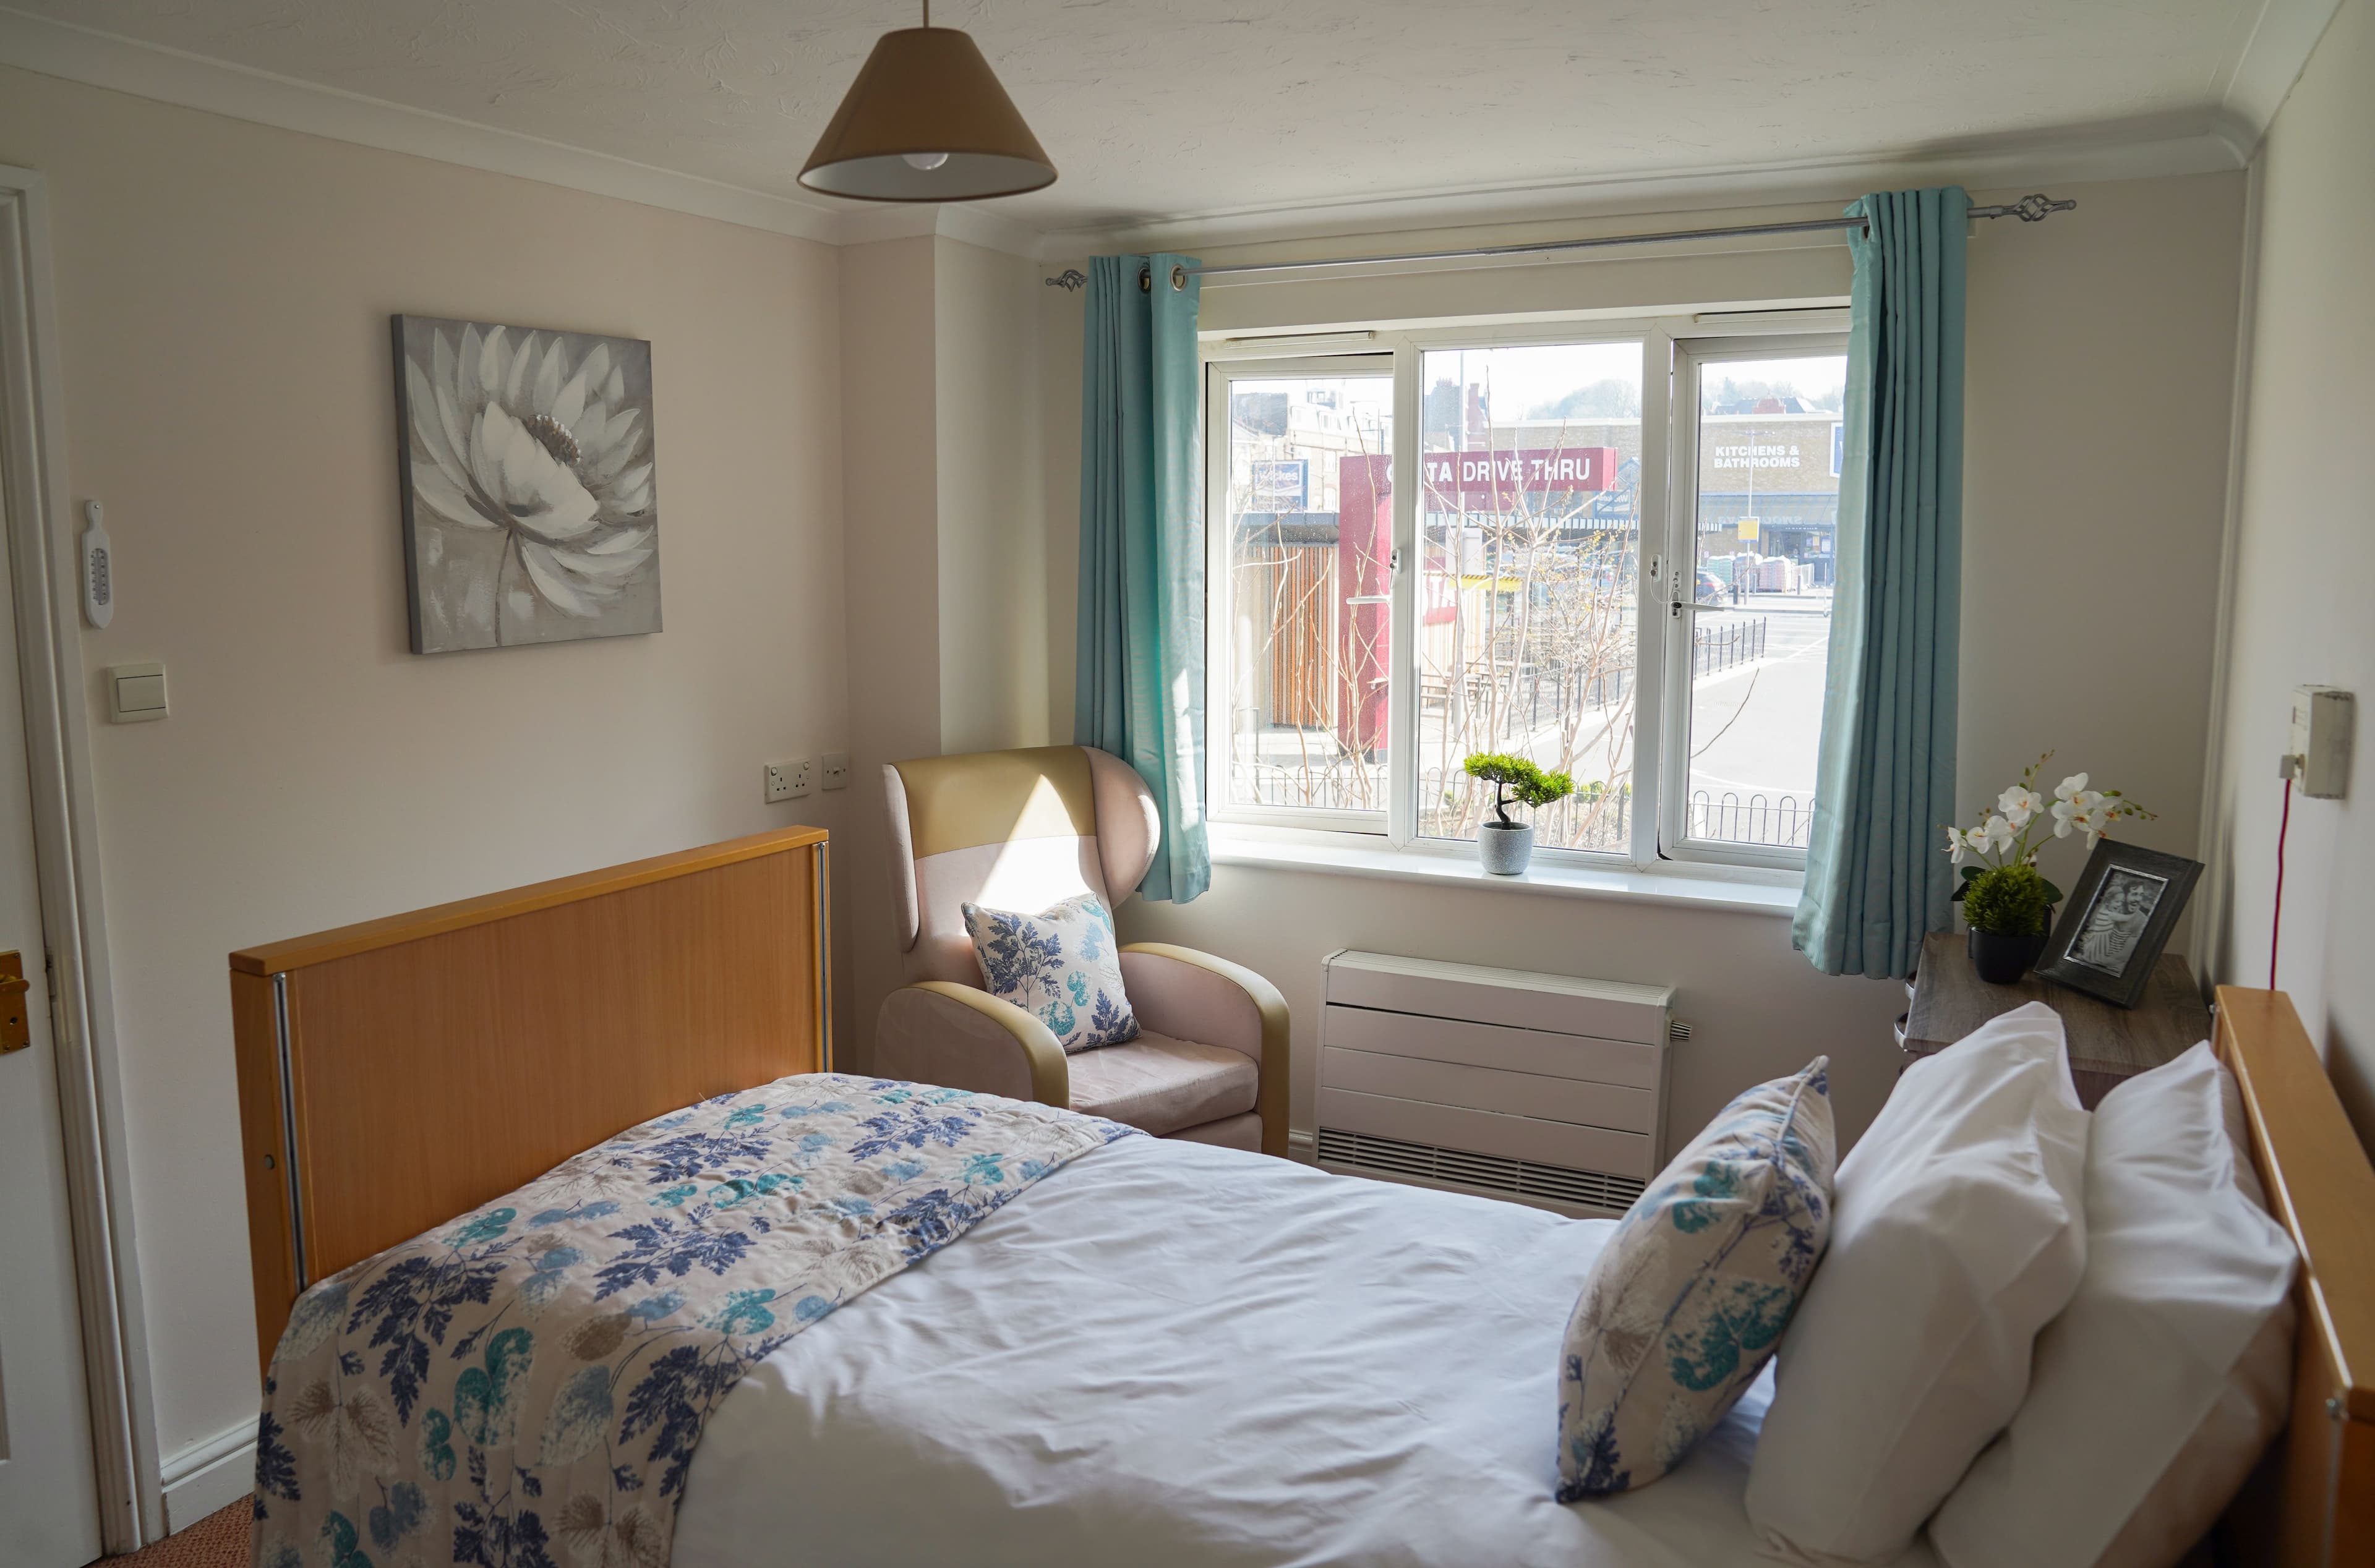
x,y
1962,846
2011,833
2019,803
2096,821
510,433
2070,813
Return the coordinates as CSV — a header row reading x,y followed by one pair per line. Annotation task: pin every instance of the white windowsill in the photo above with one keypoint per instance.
x,y
1742,889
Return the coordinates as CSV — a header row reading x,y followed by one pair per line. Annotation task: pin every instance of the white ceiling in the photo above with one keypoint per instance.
x,y
1164,109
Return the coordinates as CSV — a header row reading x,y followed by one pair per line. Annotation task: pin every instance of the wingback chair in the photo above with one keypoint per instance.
x,y
1024,830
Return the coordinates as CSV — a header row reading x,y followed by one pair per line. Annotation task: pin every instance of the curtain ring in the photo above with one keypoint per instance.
x,y
1178,278
1145,281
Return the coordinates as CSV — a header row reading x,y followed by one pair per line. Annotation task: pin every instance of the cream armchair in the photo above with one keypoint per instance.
x,y
1020,830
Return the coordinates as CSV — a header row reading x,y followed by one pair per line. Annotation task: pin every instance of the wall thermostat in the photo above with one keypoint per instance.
x,y
98,567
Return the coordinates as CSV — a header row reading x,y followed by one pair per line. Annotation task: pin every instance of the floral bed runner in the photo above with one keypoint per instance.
x,y
524,1388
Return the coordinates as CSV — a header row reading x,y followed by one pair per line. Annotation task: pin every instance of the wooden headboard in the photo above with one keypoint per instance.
x,y
394,1074
2314,1502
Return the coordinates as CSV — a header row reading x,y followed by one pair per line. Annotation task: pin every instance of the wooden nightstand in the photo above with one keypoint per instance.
x,y
2106,1044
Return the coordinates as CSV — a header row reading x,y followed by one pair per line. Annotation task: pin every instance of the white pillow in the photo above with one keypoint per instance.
x,y
2183,1272
2215,1461
1957,1231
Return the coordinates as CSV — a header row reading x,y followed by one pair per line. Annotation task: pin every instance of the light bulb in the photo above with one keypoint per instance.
x,y
924,160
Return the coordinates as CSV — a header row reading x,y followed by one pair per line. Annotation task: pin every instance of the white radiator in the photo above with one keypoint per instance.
x,y
1539,1088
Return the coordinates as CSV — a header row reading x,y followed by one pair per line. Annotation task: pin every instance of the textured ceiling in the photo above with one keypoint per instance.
x,y
1164,108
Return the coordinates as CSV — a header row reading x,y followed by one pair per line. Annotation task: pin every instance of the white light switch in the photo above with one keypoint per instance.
x,y
135,693
836,770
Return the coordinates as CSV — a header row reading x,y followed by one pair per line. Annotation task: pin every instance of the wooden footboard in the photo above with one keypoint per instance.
x,y
394,1074
2314,1507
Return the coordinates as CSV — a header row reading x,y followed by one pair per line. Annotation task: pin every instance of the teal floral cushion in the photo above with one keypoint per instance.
x,y
1688,1299
1062,965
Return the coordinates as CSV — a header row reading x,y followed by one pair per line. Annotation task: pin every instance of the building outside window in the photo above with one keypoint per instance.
x,y
1485,498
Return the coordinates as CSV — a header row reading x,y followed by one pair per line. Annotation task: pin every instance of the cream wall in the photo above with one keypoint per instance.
x,y
946,563
1060,341
890,472
2100,374
2304,585
993,567
2101,362
224,290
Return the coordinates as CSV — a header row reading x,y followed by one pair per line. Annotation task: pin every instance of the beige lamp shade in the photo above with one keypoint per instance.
x,y
925,121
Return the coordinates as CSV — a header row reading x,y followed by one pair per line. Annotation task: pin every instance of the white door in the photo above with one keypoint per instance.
x,y
49,1487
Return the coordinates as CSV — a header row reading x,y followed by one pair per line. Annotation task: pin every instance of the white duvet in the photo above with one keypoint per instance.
x,y
1174,1354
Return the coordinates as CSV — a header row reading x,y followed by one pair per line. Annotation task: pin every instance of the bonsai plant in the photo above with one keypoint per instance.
x,y
2006,901
1502,846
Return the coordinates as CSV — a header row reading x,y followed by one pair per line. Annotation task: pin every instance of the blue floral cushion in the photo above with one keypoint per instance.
x,y
1688,1299
1061,965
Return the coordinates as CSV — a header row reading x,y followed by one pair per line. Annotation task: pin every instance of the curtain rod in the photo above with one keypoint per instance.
x,y
2028,209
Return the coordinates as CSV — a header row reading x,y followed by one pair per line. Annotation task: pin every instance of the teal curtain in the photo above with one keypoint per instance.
x,y
1141,676
1884,779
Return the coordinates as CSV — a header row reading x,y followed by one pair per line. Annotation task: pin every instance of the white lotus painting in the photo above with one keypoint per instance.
x,y
530,514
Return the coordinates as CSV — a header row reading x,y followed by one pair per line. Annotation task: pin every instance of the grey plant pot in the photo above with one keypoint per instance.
x,y
1503,848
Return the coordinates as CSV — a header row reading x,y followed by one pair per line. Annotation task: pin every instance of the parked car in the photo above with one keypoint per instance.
x,y
1712,587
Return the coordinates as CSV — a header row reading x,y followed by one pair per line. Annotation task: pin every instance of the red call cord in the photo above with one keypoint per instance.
x,y
2277,922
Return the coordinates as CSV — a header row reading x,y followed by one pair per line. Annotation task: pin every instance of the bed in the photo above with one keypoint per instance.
x,y
1194,1355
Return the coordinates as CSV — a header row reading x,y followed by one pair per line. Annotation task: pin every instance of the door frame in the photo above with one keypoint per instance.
x,y
35,518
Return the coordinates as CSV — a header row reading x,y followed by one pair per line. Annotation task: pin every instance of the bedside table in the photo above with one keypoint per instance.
x,y
2106,1044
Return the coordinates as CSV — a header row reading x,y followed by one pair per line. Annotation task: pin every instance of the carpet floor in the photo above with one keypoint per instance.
x,y
218,1540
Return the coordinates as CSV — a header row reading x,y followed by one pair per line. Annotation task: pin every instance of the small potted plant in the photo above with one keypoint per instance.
x,y
2006,901
1503,847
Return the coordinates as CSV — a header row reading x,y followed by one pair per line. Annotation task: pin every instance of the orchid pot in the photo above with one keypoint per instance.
x,y
2006,901
2001,958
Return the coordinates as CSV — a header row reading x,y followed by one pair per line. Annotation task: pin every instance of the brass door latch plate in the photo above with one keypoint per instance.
x,y
15,1028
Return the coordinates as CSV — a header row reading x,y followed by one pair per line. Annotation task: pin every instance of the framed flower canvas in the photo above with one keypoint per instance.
x,y
530,510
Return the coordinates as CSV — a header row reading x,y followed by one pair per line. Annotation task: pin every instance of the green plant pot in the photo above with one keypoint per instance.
x,y
2002,959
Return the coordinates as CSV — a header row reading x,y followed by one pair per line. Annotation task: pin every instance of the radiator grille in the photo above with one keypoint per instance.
x,y
1479,1172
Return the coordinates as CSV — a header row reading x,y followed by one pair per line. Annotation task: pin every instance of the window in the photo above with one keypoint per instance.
x,y
1529,592
1762,440
1296,720
1611,552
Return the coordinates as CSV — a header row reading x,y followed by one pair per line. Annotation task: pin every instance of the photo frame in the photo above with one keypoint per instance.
x,y
2117,921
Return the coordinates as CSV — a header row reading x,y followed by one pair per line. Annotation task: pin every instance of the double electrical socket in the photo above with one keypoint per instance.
x,y
794,778
788,781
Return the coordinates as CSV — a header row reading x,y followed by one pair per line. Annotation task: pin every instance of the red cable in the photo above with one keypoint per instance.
x,y
2277,923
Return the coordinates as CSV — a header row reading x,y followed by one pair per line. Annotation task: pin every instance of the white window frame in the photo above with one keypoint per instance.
x,y
1692,357
1668,556
1220,580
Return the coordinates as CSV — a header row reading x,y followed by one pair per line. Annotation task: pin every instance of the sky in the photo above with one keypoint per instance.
x,y
1526,377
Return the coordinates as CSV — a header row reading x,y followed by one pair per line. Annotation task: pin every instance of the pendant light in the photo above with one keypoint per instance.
x,y
925,121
